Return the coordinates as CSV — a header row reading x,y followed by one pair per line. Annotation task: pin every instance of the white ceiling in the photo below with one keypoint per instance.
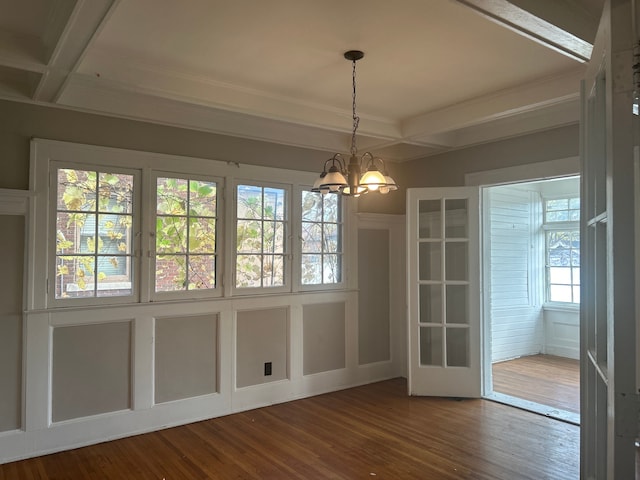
x,y
437,74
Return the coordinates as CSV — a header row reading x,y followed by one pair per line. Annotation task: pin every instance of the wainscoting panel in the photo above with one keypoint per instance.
x,y
262,337
323,337
186,350
91,370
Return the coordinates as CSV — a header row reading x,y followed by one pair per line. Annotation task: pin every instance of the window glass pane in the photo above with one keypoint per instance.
x,y
457,301
455,218
574,203
171,196
456,261
185,225
202,198
249,236
457,347
331,208
312,206
93,218
274,208
331,269
576,293
202,235
76,190
311,237
563,262
429,219
429,260
115,229
321,235
74,276
171,273
202,272
560,275
261,232
431,346
115,193
331,238
430,303
171,234
249,200
248,271
560,293
311,269
273,271
559,204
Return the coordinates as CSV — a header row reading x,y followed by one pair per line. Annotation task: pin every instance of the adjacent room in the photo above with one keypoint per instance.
x,y
532,263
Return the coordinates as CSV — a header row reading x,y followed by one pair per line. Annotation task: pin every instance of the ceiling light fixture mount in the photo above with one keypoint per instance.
x,y
345,178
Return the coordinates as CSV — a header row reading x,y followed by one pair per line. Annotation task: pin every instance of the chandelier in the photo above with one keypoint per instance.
x,y
345,178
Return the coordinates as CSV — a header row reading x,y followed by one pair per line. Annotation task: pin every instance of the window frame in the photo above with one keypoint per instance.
x,y
569,226
134,262
48,155
287,237
342,225
217,291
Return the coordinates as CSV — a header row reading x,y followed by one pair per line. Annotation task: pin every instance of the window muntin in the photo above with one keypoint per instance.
x,y
562,210
94,219
261,223
321,239
185,234
562,239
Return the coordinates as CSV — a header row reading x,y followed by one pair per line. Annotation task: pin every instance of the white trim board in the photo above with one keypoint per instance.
x,y
561,167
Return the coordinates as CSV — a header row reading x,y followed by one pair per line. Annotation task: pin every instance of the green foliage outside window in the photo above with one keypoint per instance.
x,y
185,234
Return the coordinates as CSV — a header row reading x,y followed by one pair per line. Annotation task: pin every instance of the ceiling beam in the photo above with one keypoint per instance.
x,y
553,30
69,34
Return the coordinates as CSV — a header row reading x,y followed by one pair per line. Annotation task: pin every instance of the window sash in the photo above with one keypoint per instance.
x,y
322,240
185,236
261,263
563,271
93,254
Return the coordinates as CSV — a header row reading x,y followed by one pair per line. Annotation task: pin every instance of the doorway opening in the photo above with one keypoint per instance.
x,y
531,271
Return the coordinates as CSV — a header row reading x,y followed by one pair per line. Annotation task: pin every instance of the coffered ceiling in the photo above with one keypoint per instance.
x,y
437,74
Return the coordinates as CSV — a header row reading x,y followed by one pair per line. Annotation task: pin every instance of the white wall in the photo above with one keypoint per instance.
x,y
515,303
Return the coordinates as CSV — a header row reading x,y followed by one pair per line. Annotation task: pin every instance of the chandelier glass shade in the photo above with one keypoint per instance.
x,y
347,178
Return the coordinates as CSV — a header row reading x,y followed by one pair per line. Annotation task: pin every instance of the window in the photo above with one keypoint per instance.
x,y
124,226
94,218
185,234
561,224
321,259
261,216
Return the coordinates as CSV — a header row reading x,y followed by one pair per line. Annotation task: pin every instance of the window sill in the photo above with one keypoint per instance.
x,y
561,307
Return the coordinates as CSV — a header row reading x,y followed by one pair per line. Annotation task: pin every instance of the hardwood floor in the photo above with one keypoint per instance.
x,y
545,379
373,431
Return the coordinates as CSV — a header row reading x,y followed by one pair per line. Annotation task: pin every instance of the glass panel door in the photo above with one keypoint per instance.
x,y
444,311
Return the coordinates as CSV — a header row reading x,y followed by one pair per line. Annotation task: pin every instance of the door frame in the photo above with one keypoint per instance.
x,y
558,168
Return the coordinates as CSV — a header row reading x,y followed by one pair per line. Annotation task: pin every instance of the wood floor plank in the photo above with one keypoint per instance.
x,y
545,379
373,431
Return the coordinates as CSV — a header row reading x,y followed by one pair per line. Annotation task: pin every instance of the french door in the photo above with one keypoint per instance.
x,y
609,405
443,292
